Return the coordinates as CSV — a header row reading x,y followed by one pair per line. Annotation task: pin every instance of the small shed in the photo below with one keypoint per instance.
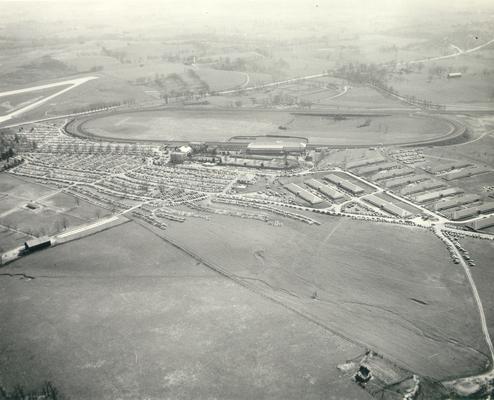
x,y
37,243
363,375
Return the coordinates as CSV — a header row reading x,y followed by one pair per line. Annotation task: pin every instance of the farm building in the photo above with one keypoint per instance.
x,y
465,173
375,168
438,194
367,161
421,187
303,194
486,222
177,157
324,189
456,202
454,75
275,148
448,167
387,206
393,173
474,211
185,149
345,184
37,243
405,180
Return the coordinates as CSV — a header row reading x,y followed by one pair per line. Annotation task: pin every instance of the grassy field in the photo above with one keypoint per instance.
x,y
140,319
363,97
340,157
223,124
482,252
41,222
186,125
415,308
465,90
53,213
473,87
12,103
103,90
478,151
21,188
10,239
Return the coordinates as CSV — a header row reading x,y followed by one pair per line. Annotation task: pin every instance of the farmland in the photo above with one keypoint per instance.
x,y
11,103
197,334
297,261
482,254
31,209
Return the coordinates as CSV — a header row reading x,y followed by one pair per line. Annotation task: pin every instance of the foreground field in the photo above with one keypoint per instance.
x,y
142,320
415,308
482,252
219,125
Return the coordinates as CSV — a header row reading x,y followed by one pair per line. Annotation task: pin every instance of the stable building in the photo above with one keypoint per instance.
x,y
37,244
177,157
276,148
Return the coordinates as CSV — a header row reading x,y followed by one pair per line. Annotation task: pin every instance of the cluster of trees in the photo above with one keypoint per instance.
x,y
174,85
361,73
117,54
388,49
47,63
162,81
103,105
266,65
44,67
47,392
94,148
204,86
409,99
9,144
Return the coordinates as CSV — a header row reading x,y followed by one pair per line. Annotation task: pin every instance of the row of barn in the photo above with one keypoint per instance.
x,y
325,189
387,206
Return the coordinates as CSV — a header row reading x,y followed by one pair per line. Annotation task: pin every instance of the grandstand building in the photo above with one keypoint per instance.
x,y
276,148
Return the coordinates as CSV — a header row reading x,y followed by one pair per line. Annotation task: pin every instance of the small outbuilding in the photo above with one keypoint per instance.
x,y
363,375
177,157
37,243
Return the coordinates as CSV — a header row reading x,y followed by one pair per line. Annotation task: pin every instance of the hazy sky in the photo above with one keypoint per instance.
x,y
237,15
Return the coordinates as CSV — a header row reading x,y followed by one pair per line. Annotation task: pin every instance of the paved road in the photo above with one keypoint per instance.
x,y
72,82
267,85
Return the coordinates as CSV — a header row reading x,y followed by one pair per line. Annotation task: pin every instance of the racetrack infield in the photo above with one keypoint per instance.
x,y
221,125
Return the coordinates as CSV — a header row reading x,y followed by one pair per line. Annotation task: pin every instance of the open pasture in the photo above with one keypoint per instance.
x,y
51,212
122,314
407,308
14,102
22,188
10,239
482,252
362,97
